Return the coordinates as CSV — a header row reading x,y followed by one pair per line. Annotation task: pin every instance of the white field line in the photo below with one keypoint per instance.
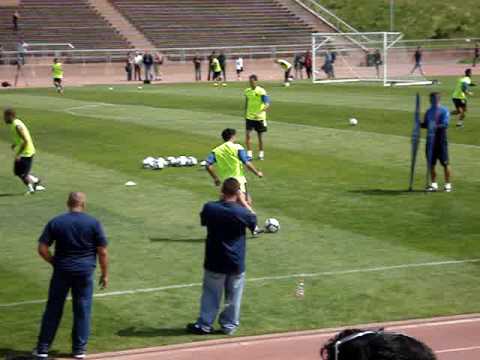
x,y
471,348
266,278
94,105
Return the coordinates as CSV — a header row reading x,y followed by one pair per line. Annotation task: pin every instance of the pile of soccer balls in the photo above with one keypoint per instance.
x,y
169,161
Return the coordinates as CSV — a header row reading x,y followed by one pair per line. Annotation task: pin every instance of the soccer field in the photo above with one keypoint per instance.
x,y
371,251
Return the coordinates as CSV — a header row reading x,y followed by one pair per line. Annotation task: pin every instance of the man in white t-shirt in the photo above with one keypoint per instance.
x,y
137,66
239,66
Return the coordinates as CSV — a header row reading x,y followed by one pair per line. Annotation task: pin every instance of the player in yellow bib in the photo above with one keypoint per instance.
x,y
257,103
229,160
22,145
57,73
217,71
287,68
460,94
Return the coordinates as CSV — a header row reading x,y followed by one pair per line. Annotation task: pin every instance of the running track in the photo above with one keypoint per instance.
x,y
452,338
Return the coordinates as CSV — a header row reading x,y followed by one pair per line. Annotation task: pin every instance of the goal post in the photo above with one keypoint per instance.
x,y
363,57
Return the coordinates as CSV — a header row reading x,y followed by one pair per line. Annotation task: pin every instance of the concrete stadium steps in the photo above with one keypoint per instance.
x,y
206,23
59,21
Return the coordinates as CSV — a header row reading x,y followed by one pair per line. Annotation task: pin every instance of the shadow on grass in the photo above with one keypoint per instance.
x,y
386,192
173,240
11,194
11,354
151,332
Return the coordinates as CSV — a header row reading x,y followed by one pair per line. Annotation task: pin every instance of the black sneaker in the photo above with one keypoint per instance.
x,y
196,329
37,354
80,354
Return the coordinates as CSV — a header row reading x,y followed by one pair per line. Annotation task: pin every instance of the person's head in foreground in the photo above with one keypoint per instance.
x,y
229,135
468,72
77,201
230,189
359,344
435,98
253,81
55,61
9,115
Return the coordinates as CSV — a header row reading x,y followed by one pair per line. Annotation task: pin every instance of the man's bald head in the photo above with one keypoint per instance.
x,y
77,201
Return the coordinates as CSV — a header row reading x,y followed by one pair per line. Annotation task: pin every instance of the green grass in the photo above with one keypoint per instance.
x,y
337,191
453,19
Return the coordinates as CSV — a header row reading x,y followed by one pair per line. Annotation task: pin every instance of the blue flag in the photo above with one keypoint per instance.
x,y
431,131
415,141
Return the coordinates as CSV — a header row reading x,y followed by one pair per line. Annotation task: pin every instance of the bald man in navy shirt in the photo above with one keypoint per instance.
x,y
78,240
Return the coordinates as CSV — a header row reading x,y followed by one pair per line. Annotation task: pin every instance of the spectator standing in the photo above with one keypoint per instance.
x,y
222,59
78,239
129,63
158,61
224,265
197,64
148,66
137,66
377,61
239,67
308,63
15,18
417,57
212,56
476,54
1,55
298,62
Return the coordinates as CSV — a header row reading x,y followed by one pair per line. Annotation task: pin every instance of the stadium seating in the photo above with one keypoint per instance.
x,y
205,23
59,21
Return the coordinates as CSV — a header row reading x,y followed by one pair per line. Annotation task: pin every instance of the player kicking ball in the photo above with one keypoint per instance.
x,y
57,73
229,160
460,95
287,68
436,121
257,103
24,151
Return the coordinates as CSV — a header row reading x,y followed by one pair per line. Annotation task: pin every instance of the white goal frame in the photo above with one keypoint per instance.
x,y
383,41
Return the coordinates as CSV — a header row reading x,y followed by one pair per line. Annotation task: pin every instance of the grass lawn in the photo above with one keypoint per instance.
x,y
337,190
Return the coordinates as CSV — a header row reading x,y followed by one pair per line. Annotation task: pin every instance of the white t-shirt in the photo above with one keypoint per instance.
x,y
239,63
138,59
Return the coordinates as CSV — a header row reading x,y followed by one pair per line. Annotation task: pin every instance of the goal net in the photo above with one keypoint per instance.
x,y
370,57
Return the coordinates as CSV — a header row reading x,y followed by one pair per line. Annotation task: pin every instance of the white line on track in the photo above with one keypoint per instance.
x,y
471,348
268,278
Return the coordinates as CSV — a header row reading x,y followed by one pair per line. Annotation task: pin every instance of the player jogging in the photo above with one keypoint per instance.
x,y
217,71
436,121
417,57
476,54
257,103
287,68
57,73
24,151
459,98
229,160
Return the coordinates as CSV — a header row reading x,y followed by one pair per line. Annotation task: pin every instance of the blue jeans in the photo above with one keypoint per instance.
x,y
214,285
82,293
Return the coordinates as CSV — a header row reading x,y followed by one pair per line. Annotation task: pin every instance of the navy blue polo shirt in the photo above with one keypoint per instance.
x,y
225,247
76,237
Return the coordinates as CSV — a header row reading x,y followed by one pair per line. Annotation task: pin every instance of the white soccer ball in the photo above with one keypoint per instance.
x,y
286,84
161,160
191,161
182,161
353,121
158,165
148,162
272,225
203,163
171,160
140,88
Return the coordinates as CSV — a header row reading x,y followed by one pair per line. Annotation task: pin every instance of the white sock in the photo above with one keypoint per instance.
x,y
250,153
30,188
261,154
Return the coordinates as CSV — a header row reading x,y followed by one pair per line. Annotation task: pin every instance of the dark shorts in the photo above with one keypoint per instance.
x,y
440,153
239,70
57,81
460,104
22,167
258,126
217,74
287,75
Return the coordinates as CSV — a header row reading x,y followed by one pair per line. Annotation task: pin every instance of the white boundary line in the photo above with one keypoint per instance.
x,y
265,278
86,106
471,348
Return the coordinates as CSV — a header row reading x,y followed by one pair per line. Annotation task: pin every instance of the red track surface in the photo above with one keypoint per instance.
x,y
452,338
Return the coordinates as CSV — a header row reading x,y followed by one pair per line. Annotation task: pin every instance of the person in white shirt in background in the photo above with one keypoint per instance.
x,y
239,67
137,66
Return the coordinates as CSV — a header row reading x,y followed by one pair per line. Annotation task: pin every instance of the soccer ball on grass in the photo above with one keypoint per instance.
x,y
353,122
272,225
